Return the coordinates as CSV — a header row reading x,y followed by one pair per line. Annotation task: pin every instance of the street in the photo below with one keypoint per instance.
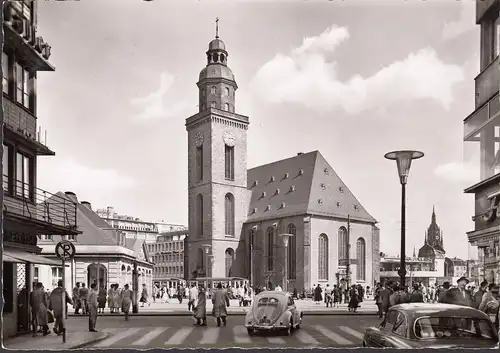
x,y
156,332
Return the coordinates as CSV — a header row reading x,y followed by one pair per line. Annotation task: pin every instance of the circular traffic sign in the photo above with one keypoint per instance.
x,y
65,250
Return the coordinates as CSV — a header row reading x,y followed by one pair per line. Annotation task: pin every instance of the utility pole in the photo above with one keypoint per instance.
x,y
348,268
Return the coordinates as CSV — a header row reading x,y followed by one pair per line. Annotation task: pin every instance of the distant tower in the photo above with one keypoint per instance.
x,y
217,170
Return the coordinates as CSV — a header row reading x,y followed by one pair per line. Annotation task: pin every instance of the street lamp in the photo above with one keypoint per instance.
x,y
211,264
286,237
403,160
207,248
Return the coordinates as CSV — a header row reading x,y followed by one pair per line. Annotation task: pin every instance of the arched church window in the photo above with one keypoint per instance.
x,y
323,257
226,107
199,214
227,91
229,214
361,257
222,58
216,58
212,104
270,248
292,252
213,90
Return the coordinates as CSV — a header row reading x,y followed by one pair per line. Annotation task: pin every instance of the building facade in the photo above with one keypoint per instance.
x,y
135,228
418,269
482,130
28,210
237,217
454,268
104,255
169,258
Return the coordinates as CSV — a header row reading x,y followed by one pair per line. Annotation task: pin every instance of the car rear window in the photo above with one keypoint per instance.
x,y
268,301
453,327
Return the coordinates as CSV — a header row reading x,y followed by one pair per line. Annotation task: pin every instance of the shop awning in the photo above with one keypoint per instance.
x,y
7,258
29,257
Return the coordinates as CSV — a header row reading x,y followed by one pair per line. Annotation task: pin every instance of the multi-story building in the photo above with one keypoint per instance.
x,y
135,228
473,272
482,130
169,258
454,268
418,269
238,218
28,210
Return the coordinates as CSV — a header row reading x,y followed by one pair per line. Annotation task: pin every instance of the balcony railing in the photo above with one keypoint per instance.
x,y
47,213
487,83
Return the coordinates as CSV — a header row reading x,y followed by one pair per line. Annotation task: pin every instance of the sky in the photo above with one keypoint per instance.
x,y
352,79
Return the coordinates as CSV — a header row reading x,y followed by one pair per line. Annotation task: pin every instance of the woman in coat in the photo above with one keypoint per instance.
x,y
38,302
354,299
220,301
101,300
111,294
317,294
126,300
144,296
200,311
117,301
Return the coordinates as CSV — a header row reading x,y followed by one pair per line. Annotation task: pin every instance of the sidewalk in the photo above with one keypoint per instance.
x,y
77,336
173,308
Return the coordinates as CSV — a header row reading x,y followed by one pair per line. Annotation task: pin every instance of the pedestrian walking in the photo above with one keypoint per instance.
x,y
416,295
354,299
127,297
328,296
117,299
193,295
180,293
111,294
200,311
144,296
220,301
77,303
38,302
92,307
477,298
317,294
459,295
487,297
442,292
55,304
83,293
101,300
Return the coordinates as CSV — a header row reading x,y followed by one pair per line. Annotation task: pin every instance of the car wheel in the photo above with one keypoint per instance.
x,y
364,344
251,332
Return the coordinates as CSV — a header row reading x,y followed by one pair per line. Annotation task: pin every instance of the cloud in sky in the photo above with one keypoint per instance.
x,y
307,77
458,172
60,174
465,23
154,105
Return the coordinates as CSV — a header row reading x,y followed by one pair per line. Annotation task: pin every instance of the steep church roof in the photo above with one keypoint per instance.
x,y
304,184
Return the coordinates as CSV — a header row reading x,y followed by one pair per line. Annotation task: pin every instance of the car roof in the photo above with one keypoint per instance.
x,y
432,309
272,293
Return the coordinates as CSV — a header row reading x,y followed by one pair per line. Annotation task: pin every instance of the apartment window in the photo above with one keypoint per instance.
x,y
5,167
229,213
229,162
56,275
23,171
22,80
5,72
199,163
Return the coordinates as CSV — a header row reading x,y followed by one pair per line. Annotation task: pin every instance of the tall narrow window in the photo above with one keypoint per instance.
x,y
270,248
342,245
323,257
229,214
199,215
251,235
5,168
229,162
199,163
229,261
226,107
22,79
292,252
361,257
23,175
496,37
227,91
5,72
213,90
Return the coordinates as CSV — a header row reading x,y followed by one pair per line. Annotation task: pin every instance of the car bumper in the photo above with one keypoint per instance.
x,y
267,328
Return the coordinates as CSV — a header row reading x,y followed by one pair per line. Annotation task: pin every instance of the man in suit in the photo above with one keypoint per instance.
x,y
459,295
478,296
92,307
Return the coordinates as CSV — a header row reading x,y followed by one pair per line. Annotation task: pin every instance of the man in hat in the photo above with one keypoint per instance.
x,y
459,295
478,296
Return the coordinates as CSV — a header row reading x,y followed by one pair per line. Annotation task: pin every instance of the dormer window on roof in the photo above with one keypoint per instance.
x,y
272,179
326,171
254,210
356,207
301,171
285,176
338,204
277,192
341,189
282,205
255,183
268,208
292,188
320,201
263,194
323,186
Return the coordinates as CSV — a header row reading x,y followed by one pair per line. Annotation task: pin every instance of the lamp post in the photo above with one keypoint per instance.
x,y
286,237
403,160
206,247
135,288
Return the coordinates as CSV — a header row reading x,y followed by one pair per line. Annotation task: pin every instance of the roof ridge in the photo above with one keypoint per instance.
x,y
282,160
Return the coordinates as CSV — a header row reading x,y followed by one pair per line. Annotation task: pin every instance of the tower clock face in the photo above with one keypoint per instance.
x,y
228,138
437,237
198,139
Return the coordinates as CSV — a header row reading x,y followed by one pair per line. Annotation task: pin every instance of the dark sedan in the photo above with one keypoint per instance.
x,y
419,325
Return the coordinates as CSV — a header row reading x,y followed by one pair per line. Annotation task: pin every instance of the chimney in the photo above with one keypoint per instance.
x,y
87,204
300,154
72,196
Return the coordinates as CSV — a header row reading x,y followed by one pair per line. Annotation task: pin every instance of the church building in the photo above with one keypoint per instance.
x,y
240,220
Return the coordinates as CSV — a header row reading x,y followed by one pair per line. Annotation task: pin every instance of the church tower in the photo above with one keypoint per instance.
x,y
217,171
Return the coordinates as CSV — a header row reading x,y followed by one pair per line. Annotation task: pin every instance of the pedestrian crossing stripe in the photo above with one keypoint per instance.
x,y
306,335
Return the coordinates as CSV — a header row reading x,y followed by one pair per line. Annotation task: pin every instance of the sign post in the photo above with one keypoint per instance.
x,y
65,250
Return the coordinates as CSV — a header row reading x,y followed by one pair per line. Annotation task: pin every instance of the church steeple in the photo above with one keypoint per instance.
x,y
433,218
217,85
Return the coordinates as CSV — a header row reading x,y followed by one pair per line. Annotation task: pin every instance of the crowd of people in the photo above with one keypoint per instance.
x,y
486,298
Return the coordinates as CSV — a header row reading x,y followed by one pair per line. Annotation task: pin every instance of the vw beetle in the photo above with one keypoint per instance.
x,y
421,325
273,311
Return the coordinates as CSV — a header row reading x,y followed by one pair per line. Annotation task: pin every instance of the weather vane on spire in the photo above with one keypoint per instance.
x,y
217,27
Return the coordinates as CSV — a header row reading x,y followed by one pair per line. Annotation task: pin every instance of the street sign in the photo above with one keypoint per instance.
x,y
65,250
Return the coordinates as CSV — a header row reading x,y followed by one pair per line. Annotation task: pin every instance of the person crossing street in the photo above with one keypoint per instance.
x,y
92,307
